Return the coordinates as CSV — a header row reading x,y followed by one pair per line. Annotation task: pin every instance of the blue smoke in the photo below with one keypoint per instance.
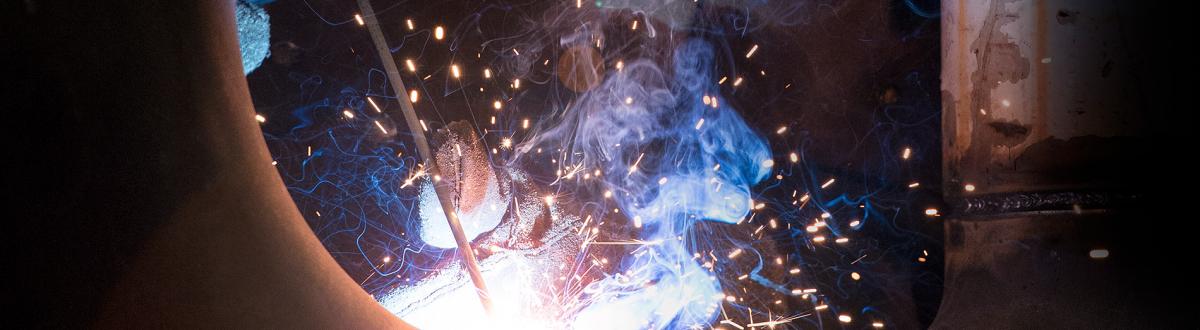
x,y
666,169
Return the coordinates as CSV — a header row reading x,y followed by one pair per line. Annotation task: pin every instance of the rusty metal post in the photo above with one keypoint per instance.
x,y
1042,126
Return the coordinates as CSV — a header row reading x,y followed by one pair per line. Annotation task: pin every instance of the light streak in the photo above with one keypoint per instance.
x,y
752,50
773,323
634,167
735,253
630,242
373,105
381,129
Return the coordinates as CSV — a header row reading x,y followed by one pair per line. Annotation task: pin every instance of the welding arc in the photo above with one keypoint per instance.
x,y
442,190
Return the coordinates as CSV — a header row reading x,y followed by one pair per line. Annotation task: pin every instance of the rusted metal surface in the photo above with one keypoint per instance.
x,y
1036,96
1042,125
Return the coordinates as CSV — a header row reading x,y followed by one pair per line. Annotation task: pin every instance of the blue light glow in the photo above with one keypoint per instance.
x,y
639,126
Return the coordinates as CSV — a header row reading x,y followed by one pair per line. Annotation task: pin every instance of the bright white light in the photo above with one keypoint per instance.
x,y
450,302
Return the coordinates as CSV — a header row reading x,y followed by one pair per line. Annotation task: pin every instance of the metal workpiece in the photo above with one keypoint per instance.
x,y
1040,124
1037,96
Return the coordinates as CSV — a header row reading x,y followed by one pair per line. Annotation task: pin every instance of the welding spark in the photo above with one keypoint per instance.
x,y
697,160
373,105
752,50
381,129
634,167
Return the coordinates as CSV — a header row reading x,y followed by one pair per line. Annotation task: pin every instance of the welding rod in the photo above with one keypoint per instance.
x,y
441,190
